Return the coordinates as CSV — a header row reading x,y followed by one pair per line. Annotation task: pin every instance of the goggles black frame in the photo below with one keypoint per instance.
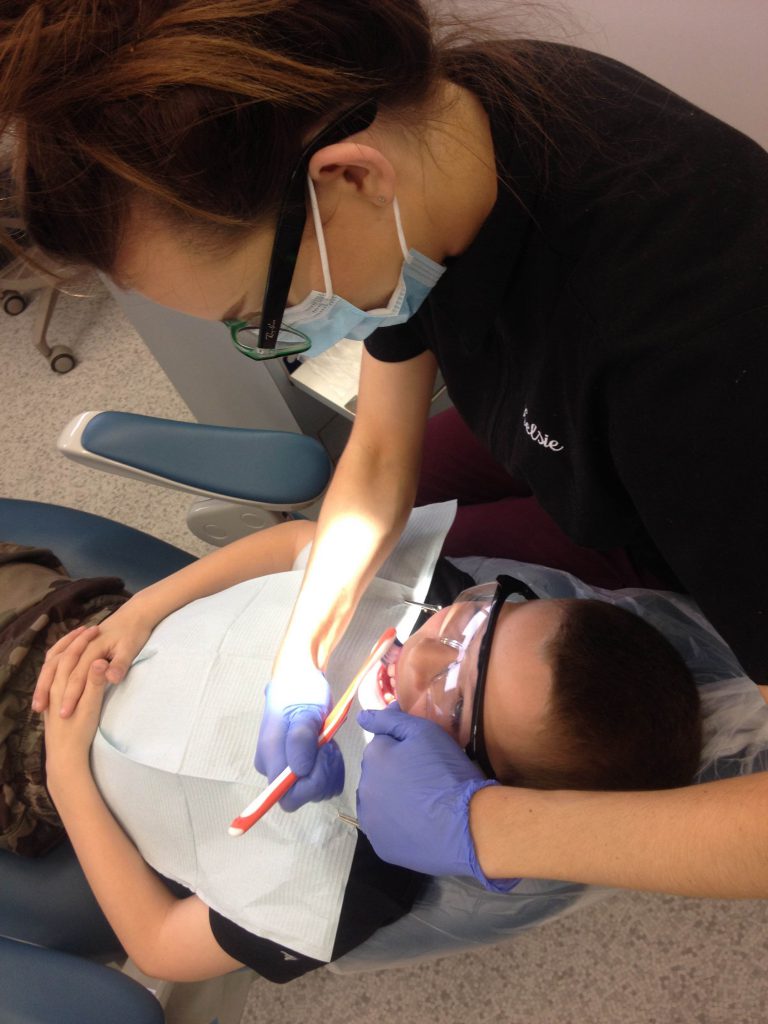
x,y
476,749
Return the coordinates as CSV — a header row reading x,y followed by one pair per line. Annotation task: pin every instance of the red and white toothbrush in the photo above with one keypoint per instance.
x,y
280,786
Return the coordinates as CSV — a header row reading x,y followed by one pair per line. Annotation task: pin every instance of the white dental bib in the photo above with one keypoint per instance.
x,y
173,757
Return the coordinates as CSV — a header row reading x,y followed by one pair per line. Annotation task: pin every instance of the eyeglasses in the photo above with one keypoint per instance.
x,y
267,337
455,692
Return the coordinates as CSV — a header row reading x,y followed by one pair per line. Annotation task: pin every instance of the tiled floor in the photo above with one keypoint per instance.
x,y
635,959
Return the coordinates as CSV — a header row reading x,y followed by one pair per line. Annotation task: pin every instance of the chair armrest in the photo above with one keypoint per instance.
x,y
47,901
45,986
269,468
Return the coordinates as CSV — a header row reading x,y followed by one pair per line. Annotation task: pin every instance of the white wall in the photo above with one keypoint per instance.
x,y
713,52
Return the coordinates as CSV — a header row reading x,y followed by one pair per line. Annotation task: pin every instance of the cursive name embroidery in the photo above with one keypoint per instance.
x,y
536,435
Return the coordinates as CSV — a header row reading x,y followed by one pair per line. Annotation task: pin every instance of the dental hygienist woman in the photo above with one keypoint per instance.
x,y
571,244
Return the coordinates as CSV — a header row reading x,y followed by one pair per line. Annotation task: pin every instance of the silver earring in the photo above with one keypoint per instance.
x,y
381,199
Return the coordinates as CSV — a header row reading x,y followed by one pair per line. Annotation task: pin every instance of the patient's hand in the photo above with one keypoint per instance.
x,y
68,743
106,657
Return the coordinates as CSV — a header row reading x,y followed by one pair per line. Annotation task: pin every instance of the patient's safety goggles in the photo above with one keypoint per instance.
x,y
454,695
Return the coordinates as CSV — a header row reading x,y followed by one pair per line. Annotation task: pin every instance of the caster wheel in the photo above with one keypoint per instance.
x,y
13,303
61,359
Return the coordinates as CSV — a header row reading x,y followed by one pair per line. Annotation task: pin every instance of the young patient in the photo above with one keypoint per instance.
x,y
574,694
579,694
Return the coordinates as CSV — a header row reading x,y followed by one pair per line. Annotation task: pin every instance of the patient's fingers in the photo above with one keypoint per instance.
x,y
77,683
48,671
100,665
97,676
85,691
119,663
67,686
63,642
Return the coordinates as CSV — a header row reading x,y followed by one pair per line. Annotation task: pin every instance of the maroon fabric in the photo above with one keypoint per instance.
x,y
499,517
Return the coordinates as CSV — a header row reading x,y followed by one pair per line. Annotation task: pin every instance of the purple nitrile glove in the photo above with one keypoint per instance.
x,y
413,797
294,713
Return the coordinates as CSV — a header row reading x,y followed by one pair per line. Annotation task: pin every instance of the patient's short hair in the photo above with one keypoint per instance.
x,y
624,711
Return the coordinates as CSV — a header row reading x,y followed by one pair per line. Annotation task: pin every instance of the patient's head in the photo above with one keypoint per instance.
x,y
579,694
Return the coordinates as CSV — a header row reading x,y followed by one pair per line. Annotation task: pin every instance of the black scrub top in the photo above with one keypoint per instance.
x,y
606,333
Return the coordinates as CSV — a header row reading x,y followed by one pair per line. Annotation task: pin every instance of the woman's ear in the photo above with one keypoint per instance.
x,y
352,167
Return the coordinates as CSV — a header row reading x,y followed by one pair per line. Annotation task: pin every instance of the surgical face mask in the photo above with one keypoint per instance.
x,y
327,318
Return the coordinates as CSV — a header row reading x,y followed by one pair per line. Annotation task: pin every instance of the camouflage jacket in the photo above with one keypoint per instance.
x,y
39,603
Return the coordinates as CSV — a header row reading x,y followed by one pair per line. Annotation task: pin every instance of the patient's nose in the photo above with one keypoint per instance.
x,y
429,658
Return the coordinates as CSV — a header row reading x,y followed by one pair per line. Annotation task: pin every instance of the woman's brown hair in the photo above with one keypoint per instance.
x,y
198,108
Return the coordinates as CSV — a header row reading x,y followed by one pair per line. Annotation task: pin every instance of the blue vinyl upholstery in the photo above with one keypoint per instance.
x,y
269,466
44,986
49,918
47,901
90,545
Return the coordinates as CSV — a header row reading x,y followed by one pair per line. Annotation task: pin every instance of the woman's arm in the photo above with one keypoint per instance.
x,y
166,937
120,637
420,806
709,840
368,502
363,514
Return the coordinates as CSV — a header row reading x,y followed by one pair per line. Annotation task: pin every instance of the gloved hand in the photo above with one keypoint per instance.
x,y
413,797
294,712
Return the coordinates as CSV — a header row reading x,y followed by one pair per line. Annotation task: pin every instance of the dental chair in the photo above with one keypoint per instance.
x,y
54,941
51,928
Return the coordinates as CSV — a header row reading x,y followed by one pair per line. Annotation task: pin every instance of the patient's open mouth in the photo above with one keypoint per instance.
x,y
379,688
387,675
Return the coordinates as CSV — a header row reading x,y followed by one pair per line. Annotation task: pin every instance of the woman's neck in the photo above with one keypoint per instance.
x,y
447,180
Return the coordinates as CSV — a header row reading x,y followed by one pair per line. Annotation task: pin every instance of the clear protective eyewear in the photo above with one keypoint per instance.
x,y
266,337
455,693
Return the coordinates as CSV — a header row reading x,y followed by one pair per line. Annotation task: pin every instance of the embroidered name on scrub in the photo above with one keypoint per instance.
x,y
536,435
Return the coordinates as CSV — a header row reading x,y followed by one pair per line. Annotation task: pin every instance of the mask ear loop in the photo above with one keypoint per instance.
x,y
400,234
320,238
